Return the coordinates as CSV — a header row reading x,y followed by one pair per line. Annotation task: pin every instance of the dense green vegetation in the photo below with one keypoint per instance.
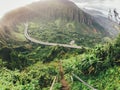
x,y
34,68
62,31
28,66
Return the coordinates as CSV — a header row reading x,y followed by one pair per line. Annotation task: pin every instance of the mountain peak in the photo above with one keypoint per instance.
x,y
50,11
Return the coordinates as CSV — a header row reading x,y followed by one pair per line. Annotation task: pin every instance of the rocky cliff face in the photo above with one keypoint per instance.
x,y
46,11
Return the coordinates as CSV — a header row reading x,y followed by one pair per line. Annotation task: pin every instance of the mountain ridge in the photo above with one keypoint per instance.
x,y
112,27
46,8
50,10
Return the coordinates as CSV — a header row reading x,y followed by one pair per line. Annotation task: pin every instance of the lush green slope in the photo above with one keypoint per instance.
x,y
28,66
62,31
34,68
55,15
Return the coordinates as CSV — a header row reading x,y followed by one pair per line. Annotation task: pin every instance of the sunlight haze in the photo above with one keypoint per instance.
x,y
7,5
101,5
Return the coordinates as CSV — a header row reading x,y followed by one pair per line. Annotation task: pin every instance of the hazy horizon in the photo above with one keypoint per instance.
x,y
6,5
100,5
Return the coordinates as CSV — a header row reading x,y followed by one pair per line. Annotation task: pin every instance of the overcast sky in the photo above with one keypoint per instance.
x,y
100,5
7,5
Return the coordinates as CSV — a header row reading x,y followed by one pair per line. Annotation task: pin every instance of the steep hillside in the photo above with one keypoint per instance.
x,y
110,26
50,11
47,10
25,65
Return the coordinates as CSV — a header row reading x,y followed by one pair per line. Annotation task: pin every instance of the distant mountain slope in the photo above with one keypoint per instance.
x,y
48,9
51,10
110,26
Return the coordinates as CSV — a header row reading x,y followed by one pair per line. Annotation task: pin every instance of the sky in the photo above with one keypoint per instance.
x,y
7,5
101,5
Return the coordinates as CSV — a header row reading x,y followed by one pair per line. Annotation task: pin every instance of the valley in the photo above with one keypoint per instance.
x,y
54,45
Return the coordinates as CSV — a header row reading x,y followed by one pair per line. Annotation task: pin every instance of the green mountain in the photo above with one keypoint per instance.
x,y
25,65
59,21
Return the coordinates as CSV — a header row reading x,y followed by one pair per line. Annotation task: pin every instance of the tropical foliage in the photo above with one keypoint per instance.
x,y
35,68
62,31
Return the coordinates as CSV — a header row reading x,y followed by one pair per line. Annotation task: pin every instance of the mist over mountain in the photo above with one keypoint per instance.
x,y
99,5
99,9
47,11
50,9
56,45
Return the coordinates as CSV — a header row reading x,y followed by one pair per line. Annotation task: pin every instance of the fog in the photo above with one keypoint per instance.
x,y
100,5
7,5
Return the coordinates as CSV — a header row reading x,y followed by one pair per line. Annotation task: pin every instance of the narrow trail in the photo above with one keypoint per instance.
x,y
46,43
60,78
64,83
